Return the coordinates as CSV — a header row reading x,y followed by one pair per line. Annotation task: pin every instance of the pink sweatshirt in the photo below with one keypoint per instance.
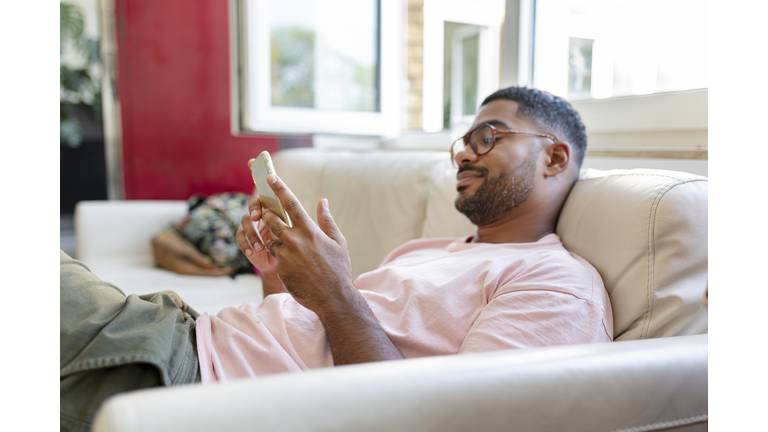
x,y
432,297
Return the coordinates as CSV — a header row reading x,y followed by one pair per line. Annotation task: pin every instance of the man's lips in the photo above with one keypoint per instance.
x,y
466,177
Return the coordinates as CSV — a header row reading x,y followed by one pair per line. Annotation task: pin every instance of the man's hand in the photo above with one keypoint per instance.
x,y
313,261
313,264
252,246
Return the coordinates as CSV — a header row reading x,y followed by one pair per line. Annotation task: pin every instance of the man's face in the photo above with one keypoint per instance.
x,y
497,182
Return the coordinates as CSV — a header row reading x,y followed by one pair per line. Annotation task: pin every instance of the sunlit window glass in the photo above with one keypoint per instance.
x,y
322,59
469,77
607,48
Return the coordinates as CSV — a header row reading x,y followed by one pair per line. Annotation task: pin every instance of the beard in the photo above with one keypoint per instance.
x,y
497,195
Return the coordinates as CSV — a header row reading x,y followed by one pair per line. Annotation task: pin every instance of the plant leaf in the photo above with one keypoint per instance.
x,y
71,22
71,132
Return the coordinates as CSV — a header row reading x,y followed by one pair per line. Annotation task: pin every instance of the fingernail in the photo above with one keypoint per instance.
x,y
255,214
271,179
248,252
325,203
257,246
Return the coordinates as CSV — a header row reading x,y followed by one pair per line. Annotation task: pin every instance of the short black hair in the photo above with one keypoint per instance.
x,y
553,114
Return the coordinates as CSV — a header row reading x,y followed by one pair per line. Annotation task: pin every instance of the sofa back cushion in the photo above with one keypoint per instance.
x,y
645,231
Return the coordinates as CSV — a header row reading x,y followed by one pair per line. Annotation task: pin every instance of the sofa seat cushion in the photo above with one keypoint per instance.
x,y
137,274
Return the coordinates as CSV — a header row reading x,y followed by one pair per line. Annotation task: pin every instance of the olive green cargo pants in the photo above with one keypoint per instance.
x,y
110,343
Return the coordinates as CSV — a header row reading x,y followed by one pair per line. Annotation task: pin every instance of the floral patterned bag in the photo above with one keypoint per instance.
x,y
211,225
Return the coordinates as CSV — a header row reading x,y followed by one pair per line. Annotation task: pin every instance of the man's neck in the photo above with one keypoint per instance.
x,y
518,227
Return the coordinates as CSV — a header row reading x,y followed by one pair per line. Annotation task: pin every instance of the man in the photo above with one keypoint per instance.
x,y
512,284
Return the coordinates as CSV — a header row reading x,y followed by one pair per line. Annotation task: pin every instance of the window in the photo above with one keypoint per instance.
x,y
463,73
320,66
598,49
461,60
636,70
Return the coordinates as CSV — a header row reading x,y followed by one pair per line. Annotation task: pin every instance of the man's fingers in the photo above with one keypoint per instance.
x,y
327,224
254,206
290,203
263,231
247,238
244,244
272,248
274,224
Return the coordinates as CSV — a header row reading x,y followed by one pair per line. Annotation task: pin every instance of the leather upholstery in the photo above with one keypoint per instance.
x,y
646,385
110,229
645,231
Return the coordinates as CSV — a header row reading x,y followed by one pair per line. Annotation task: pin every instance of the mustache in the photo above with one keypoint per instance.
x,y
480,170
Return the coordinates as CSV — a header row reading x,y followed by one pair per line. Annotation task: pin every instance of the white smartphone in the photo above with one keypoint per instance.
x,y
260,169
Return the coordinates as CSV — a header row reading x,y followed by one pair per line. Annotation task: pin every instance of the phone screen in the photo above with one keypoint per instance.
x,y
260,169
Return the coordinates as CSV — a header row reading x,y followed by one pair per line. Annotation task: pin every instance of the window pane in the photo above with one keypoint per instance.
x,y
469,76
323,59
580,68
601,48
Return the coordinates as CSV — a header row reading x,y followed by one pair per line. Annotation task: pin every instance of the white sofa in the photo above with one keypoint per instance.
x,y
645,231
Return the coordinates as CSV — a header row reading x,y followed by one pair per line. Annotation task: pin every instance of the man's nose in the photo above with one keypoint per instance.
x,y
465,156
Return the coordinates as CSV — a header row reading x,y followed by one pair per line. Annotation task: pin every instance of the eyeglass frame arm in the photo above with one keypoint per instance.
x,y
494,130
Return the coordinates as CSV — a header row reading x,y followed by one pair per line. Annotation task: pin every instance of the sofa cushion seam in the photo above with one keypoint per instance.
x,y
665,424
704,179
652,257
652,251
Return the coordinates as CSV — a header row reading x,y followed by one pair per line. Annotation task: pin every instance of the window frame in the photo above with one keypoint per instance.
x,y
255,113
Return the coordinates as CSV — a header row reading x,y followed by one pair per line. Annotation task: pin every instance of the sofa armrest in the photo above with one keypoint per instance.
x,y
646,384
113,228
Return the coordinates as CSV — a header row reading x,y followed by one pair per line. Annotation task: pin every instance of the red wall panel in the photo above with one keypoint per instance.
x,y
174,89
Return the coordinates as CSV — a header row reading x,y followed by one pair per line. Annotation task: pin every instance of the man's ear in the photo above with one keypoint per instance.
x,y
558,158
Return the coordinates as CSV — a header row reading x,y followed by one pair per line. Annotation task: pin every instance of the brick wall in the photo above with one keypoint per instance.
x,y
415,64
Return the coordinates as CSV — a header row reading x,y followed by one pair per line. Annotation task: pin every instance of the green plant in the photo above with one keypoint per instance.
x,y
77,84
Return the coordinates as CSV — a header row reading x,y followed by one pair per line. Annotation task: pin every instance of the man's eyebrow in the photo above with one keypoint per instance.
x,y
497,123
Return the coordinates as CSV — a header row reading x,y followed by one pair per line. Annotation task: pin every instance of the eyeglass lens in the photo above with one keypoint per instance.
x,y
481,141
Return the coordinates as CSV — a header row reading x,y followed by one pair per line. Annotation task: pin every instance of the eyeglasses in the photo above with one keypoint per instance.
x,y
482,138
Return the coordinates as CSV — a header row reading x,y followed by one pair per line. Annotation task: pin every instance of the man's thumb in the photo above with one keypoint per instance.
x,y
326,223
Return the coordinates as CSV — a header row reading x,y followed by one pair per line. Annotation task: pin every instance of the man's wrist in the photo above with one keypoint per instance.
x,y
271,283
269,274
345,301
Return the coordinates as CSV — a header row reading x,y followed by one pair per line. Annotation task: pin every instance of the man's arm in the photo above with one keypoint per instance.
x,y
313,265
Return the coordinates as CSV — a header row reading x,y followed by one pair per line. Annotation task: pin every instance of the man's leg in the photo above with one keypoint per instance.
x,y
110,343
